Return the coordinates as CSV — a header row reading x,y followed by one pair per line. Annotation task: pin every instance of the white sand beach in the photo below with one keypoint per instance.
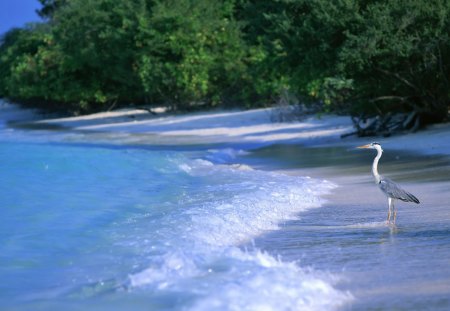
x,y
350,225
249,126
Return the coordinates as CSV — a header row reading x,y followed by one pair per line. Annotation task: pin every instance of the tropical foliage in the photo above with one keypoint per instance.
x,y
352,56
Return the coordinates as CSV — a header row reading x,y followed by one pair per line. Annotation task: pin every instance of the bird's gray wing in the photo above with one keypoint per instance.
x,y
393,190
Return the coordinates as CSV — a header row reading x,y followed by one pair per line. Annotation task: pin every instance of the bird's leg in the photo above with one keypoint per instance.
x,y
395,211
389,211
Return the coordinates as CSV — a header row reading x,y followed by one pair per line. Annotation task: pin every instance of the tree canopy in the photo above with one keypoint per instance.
x,y
353,56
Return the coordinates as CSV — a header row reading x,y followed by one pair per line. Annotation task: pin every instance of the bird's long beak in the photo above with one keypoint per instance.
x,y
364,147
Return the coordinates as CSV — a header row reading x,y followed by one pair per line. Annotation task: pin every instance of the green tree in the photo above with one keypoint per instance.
x,y
83,61
398,52
191,52
49,7
98,54
18,66
97,42
370,56
350,55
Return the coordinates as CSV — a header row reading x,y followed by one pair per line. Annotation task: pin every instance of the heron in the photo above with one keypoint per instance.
x,y
391,189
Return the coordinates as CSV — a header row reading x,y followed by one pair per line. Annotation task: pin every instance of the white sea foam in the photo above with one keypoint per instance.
x,y
202,253
375,224
225,155
248,202
266,283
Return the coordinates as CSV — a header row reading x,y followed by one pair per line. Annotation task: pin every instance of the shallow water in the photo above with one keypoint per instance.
x,y
402,267
349,161
104,228
101,226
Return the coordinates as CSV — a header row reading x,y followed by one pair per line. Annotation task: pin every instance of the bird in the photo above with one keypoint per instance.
x,y
391,189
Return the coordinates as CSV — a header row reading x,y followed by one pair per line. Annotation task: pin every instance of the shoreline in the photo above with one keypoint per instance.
x,y
398,267
311,147
353,214
253,128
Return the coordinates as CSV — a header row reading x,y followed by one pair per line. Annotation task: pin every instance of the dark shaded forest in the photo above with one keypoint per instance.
x,y
358,57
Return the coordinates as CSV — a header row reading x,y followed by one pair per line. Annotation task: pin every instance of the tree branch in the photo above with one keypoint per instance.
x,y
396,75
401,98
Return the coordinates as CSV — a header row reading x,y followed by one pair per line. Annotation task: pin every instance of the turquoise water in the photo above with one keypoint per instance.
x,y
402,267
121,228
89,222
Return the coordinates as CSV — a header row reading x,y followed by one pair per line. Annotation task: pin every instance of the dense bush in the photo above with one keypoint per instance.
x,y
17,53
94,55
361,56
399,55
190,52
351,56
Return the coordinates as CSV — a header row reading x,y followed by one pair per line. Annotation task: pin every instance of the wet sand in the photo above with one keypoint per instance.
x,y
406,267
402,267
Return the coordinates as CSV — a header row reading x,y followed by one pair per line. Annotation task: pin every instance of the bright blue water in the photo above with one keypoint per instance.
x,y
108,228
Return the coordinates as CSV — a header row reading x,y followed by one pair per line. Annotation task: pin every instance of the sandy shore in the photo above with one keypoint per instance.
x,y
419,161
252,128
313,146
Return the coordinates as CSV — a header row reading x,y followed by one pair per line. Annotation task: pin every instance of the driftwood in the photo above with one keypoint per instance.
x,y
386,125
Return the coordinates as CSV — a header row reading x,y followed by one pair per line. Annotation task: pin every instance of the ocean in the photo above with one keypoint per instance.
x,y
117,227
98,226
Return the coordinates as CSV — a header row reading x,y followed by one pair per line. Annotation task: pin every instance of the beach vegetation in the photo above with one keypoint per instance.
x,y
364,58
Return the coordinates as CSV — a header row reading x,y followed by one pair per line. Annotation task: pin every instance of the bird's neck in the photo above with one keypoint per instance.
x,y
375,166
